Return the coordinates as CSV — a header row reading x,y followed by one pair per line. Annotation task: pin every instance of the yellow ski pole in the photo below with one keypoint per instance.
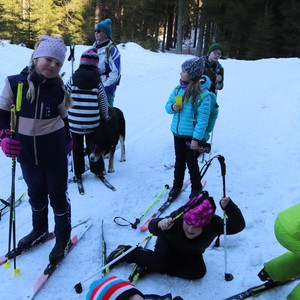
x,y
12,220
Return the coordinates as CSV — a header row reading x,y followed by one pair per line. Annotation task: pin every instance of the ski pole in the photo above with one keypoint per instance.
x,y
12,218
228,276
103,244
72,59
138,220
221,159
72,56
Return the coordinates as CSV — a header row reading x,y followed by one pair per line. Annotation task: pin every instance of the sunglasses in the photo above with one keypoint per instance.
x,y
98,31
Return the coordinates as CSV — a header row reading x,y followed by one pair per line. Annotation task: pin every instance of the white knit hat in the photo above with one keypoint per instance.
x,y
49,46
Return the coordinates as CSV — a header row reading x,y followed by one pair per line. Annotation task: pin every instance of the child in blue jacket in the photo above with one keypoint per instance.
x,y
194,116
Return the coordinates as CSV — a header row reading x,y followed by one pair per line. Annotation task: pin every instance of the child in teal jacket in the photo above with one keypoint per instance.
x,y
194,116
287,265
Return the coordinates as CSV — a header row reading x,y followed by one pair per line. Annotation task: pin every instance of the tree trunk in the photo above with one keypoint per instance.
x,y
179,26
170,16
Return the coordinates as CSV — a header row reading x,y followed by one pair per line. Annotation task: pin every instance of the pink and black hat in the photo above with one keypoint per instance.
x,y
90,59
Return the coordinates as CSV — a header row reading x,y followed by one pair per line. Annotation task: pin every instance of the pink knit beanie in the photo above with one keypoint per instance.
x,y
49,46
89,59
199,216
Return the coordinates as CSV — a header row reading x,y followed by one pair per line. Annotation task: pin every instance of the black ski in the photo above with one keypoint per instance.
x,y
163,207
169,166
80,186
5,204
259,289
106,182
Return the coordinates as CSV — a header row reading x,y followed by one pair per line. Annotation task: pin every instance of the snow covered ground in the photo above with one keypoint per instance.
x,y
258,134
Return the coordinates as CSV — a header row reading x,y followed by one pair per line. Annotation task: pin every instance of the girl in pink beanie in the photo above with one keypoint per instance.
x,y
182,241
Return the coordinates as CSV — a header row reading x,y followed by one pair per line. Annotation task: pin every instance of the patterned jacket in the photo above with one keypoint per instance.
x,y
109,65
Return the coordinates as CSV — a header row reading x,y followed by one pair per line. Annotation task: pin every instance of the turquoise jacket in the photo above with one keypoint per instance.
x,y
194,120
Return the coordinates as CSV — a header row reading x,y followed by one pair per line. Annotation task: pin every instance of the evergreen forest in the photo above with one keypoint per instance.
x,y
251,29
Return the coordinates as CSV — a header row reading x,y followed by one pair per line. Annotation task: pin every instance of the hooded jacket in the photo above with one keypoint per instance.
x,y
194,120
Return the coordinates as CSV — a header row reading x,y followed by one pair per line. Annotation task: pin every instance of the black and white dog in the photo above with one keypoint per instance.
x,y
106,138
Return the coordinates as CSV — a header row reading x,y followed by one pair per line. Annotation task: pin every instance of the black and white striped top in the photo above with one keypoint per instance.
x,y
90,103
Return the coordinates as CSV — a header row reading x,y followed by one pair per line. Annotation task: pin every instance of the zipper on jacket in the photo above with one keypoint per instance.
x,y
35,118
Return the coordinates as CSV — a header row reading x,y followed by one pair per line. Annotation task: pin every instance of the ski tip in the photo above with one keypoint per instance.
x,y
145,226
3,260
23,196
38,285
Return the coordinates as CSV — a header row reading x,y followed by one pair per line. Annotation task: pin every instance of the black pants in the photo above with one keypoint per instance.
x,y
78,154
49,181
165,259
185,156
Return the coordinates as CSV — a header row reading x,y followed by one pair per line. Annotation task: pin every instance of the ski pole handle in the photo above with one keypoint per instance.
x,y
15,108
19,96
204,148
12,118
72,51
135,224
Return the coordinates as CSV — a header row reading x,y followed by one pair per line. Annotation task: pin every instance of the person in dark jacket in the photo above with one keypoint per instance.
x,y
213,69
43,141
90,106
182,241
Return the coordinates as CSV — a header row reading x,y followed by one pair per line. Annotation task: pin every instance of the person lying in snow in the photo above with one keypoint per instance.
x,y
182,241
287,265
